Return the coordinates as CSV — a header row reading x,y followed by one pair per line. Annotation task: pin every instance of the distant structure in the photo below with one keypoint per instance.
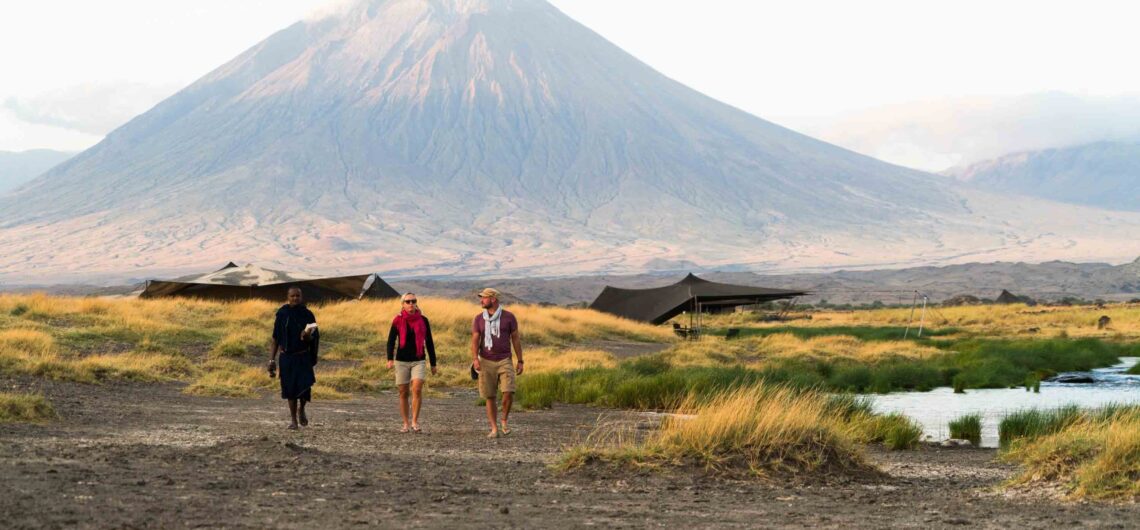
x,y
962,299
1007,297
657,305
250,281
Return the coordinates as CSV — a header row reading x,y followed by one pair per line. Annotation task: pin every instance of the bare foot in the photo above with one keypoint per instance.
x,y
404,429
503,428
494,434
416,429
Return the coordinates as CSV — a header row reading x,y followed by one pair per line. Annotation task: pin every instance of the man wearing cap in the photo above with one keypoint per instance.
x,y
493,333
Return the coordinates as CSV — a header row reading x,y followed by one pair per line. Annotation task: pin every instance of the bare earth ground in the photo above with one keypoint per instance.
x,y
138,456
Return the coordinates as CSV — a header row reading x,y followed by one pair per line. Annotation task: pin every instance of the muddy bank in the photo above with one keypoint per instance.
x,y
147,456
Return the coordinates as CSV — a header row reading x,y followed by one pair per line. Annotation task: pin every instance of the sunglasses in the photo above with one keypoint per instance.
x,y
410,301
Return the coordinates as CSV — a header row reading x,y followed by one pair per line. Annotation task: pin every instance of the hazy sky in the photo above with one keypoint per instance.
x,y
73,70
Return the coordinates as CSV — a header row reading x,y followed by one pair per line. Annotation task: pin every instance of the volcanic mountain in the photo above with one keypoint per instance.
x,y
492,137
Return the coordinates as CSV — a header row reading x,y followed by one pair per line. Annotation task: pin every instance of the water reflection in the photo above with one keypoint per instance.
x,y
935,409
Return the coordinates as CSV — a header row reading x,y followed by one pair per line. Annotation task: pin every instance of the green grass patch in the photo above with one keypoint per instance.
x,y
894,430
650,382
994,363
1134,370
1035,423
24,408
967,427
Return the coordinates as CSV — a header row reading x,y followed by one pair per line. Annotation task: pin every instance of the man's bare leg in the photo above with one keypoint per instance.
x,y
301,412
404,406
508,398
292,413
417,400
493,416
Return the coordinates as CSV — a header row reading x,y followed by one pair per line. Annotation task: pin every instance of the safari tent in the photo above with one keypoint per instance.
x,y
657,305
1007,297
234,282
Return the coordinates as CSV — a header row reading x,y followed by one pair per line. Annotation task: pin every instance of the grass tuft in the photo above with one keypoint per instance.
x,y
755,431
1090,454
967,427
31,408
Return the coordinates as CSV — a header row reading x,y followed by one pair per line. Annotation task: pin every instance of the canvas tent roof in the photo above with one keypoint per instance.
x,y
1007,297
659,304
234,282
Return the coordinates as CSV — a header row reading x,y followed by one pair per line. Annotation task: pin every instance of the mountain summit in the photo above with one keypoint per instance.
x,y
480,137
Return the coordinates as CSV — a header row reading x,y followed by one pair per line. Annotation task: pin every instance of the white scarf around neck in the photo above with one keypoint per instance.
x,y
491,327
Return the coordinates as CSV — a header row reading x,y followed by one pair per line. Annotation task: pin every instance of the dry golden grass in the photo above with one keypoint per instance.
x,y
546,360
27,343
1001,320
90,339
758,430
1095,458
756,351
227,378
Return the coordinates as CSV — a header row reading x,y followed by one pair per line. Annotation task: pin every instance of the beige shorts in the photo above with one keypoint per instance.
x,y
495,375
407,371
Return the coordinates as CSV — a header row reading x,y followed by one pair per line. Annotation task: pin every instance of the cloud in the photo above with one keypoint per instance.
x,y
89,109
939,134
19,135
332,9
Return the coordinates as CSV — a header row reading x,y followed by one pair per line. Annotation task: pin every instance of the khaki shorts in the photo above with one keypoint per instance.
x,y
495,374
406,371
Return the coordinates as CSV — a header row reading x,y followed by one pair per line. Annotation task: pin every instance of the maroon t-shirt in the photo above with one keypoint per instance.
x,y
501,345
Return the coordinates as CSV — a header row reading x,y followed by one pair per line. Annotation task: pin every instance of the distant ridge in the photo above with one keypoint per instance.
x,y
17,168
1102,174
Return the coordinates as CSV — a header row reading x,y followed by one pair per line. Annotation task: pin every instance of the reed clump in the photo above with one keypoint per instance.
x,y
967,427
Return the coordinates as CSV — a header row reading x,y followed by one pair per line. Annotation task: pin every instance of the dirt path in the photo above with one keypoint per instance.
x,y
147,456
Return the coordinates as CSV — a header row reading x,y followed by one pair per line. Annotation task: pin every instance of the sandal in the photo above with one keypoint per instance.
x,y
404,429
503,429
416,429
494,434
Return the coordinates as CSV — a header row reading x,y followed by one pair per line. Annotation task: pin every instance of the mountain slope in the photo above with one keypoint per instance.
x,y
482,137
1103,174
16,168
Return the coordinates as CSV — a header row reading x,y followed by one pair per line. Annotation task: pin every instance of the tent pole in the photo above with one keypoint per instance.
x,y
693,332
911,319
922,319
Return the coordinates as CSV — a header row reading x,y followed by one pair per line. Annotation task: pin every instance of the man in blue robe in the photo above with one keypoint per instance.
x,y
293,353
